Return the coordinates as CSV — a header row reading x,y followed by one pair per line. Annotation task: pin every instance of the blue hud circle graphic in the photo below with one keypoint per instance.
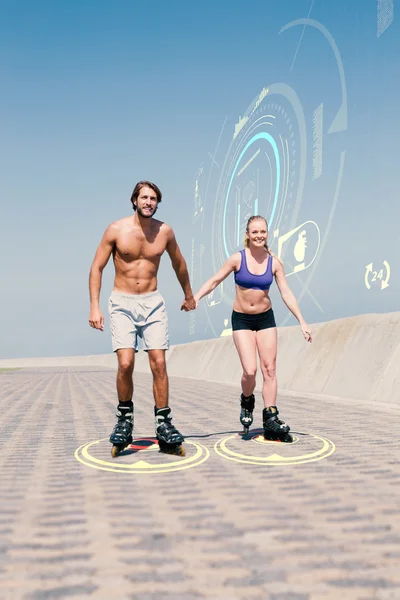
x,y
263,173
283,159
270,139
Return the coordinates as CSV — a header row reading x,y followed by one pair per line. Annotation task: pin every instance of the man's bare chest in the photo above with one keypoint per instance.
x,y
135,247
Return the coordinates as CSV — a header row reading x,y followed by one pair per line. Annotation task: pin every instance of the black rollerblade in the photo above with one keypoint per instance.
x,y
274,428
121,436
246,413
168,437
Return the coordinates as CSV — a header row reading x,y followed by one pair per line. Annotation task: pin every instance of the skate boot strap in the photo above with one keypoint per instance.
x,y
167,433
271,422
269,415
166,426
124,416
274,419
247,414
122,428
247,403
273,413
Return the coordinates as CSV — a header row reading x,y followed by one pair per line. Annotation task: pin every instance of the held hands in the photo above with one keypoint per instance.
x,y
96,319
306,330
189,304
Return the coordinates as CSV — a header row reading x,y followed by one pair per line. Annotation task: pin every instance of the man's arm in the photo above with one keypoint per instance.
x,y
102,256
180,268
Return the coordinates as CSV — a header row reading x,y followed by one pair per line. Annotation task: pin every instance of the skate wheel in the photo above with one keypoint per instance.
x,y
175,450
288,438
245,430
116,450
270,437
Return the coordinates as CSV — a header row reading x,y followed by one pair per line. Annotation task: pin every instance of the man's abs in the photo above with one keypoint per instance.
x,y
138,277
137,259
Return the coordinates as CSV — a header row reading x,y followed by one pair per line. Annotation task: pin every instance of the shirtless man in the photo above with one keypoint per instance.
x,y
137,309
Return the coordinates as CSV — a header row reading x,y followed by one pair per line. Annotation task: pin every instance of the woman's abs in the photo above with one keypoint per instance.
x,y
251,301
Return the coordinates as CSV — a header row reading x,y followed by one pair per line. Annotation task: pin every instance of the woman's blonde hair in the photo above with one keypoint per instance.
x,y
246,239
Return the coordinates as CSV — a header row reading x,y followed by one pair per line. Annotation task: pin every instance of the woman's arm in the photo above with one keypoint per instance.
x,y
215,280
289,298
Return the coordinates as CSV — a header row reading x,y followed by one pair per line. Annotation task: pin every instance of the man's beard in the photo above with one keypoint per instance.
x,y
144,215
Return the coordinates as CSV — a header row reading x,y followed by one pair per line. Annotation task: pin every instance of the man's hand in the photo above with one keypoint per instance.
x,y
189,304
96,319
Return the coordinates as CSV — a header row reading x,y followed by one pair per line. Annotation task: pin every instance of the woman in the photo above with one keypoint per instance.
x,y
253,322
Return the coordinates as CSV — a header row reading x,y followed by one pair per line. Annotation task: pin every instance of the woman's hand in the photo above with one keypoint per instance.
x,y
306,330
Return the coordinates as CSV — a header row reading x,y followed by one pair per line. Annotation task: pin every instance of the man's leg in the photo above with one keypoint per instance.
x,y
160,378
124,338
169,438
121,435
155,342
126,360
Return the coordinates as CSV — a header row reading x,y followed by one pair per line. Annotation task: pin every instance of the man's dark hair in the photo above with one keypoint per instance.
x,y
142,184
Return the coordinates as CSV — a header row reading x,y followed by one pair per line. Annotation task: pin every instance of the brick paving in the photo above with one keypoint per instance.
x,y
327,529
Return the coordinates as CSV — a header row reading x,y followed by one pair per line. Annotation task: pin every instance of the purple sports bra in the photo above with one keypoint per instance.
x,y
245,279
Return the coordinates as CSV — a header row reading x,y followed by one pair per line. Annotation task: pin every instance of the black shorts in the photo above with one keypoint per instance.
x,y
263,320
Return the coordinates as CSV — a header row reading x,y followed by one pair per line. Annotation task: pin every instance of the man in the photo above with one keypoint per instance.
x,y
137,309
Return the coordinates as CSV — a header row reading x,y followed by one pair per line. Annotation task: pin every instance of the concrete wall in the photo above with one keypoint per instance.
x,y
355,357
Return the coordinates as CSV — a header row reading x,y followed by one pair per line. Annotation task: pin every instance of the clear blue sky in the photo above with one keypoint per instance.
x,y
97,95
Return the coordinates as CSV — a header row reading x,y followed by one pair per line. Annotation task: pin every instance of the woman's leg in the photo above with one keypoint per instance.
x,y
266,340
245,342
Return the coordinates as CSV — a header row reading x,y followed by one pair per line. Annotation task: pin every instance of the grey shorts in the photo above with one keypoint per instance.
x,y
138,315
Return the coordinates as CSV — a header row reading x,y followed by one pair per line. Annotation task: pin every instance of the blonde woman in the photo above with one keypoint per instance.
x,y
253,322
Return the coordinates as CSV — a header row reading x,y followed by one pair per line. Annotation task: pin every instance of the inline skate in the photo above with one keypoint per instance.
x,y
246,412
274,428
168,437
121,436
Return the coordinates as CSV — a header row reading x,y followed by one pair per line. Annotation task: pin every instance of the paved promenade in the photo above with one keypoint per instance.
x,y
235,518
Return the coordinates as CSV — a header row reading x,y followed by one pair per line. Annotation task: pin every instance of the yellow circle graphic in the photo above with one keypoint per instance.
x,y
84,456
326,449
260,439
